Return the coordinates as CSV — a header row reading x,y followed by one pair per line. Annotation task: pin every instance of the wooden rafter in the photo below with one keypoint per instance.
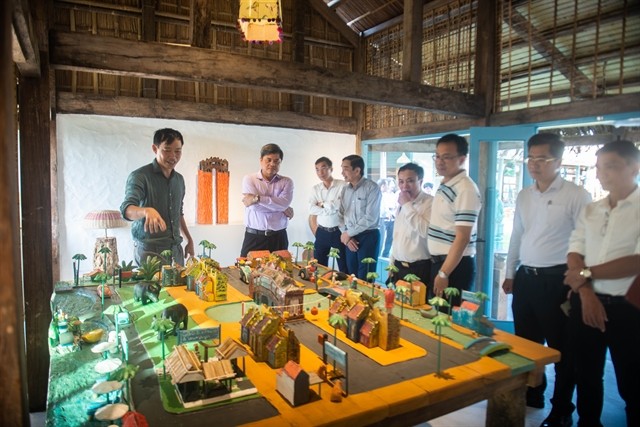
x,y
156,60
26,54
333,19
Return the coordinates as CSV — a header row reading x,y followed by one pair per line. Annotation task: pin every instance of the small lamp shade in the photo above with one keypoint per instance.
x,y
105,219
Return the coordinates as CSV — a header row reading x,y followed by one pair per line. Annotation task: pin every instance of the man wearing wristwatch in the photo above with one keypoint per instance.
x,y
454,216
545,214
603,260
267,197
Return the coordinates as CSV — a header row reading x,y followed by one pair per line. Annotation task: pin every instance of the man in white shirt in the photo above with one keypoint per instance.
x,y
410,253
324,218
603,260
545,215
454,217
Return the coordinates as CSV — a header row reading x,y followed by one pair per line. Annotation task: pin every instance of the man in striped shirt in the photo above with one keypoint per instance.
x,y
454,218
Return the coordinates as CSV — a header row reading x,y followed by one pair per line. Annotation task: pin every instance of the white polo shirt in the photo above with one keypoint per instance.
x,y
410,230
604,234
456,203
328,216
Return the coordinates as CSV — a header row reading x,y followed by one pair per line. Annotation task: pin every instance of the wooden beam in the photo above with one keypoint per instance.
x,y
108,55
412,43
182,110
13,399
569,110
443,126
335,21
486,62
149,86
25,50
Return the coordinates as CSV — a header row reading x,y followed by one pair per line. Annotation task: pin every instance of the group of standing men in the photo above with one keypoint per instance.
x,y
562,248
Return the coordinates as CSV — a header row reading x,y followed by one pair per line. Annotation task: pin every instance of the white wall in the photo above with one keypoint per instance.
x,y
97,153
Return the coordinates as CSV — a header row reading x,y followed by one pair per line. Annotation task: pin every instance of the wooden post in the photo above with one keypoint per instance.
x,y
13,399
507,408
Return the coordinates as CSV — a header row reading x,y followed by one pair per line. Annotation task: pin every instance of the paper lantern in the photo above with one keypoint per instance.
x,y
260,20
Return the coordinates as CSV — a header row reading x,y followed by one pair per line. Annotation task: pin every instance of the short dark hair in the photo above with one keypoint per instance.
x,y
271,149
324,160
556,145
167,135
356,162
462,146
413,167
623,148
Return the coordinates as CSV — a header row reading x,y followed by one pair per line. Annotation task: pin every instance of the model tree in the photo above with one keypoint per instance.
x,y
439,321
402,291
368,261
308,247
371,278
450,293
162,325
297,245
392,269
167,256
336,321
334,253
76,267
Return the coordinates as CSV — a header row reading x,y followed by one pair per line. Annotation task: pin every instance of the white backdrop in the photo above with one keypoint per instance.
x,y
97,153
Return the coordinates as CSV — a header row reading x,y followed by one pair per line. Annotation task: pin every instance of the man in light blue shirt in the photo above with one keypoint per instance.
x,y
360,211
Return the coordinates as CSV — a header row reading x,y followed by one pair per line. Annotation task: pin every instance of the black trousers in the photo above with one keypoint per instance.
x,y
537,316
622,338
325,240
421,268
275,241
462,277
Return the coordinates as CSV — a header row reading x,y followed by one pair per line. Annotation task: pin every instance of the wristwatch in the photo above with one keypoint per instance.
x,y
256,198
586,273
443,275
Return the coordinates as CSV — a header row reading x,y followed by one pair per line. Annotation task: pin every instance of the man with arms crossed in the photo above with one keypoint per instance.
x,y
603,259
267,197
154,199
454,217
545,215
360,210
409,251
324,218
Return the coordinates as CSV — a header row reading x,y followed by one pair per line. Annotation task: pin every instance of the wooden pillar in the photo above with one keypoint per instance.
x,y
35,149
149,86
13,399
297,41
486,56
507,408
412,46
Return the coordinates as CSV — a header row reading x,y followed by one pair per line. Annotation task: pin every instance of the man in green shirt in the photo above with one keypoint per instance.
x,y
154,199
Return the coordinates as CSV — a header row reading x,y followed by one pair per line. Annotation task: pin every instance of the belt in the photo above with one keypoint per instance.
x,y
262,232
611,299
542,271
406,264
328,229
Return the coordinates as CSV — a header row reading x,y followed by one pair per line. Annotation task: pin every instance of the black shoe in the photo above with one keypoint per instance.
x,y
554,420
534,401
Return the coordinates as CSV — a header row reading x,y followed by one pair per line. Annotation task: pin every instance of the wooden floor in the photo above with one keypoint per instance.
x,y
612,414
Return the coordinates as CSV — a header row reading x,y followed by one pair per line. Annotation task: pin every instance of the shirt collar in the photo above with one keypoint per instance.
x,y
453,181
358,184
157,169
276,177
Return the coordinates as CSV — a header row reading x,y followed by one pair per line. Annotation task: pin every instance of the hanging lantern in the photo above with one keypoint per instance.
x,y
260,20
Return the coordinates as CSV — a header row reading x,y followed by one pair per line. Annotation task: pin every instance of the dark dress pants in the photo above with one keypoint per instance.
x,y
462,277
538,317
368,247
325,240
274,241
622,337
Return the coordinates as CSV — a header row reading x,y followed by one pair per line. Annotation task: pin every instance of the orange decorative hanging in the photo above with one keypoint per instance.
x,y
260,20
222,197
205,195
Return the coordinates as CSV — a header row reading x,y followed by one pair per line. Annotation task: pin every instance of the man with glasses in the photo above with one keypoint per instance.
x,y
603,259
454,217
324,218
154,198
545,215
267,197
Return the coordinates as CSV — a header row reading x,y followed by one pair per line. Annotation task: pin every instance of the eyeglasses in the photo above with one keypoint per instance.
x,y
444,158
540,160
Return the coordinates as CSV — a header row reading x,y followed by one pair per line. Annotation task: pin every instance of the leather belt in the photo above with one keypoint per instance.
x,y
406,264
328,229
611,299
540,271
262,232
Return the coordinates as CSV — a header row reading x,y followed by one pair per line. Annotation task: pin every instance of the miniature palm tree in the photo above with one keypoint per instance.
x,y
439,321
402,291
371,278
124,374
104,276
392,269
309,246
337,321
76,267
334,253
450,293
482,297
297,245
162,325
206,245
411,278
167,255
368,261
